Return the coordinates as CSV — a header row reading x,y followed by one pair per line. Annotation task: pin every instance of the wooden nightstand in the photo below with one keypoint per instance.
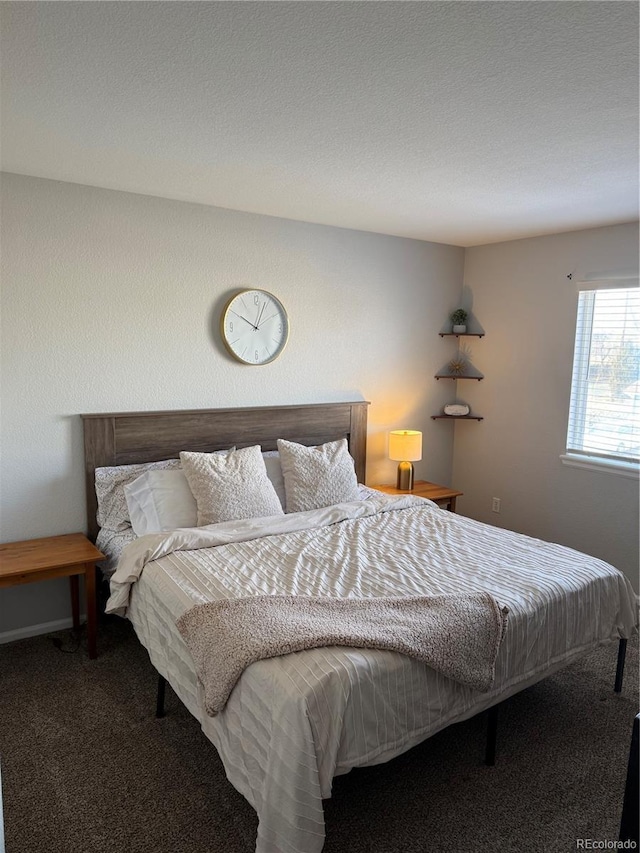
x,y
70,555
439,494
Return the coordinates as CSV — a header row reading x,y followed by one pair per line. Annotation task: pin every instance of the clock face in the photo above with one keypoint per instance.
x,y
254,326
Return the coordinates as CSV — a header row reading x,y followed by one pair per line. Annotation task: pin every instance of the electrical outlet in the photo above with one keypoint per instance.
x,y
495,504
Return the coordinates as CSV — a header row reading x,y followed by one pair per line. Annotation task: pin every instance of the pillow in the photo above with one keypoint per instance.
x,y
317,476
113,513
159,501
230,487
274,473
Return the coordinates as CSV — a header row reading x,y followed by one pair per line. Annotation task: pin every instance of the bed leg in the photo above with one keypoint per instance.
x,y
162,683
492,735
622,653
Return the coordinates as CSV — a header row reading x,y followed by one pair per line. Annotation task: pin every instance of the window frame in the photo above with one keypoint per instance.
x,y
577,414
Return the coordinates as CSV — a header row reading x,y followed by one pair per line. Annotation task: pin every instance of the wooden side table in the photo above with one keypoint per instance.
x,y
441,495
69,556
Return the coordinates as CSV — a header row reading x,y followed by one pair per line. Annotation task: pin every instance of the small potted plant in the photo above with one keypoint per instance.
x,y
459,320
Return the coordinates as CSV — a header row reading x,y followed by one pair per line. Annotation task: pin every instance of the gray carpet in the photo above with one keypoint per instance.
x,y
88,769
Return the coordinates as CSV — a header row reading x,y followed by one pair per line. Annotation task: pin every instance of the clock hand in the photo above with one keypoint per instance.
x,y
255,328
260,315
266,319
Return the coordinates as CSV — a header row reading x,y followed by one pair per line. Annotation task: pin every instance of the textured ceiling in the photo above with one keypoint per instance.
x,y
459,122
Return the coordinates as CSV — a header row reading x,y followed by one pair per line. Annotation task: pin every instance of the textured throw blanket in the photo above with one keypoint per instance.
x,y
457,635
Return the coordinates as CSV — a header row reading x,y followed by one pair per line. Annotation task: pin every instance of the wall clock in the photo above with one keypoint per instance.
x,y
254,326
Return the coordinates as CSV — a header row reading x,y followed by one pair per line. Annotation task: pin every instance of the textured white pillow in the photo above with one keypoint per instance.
x,y
230,487
113,513
317,476
159,501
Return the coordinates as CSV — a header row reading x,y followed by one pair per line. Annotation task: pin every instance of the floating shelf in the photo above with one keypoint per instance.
x,y
456,418
457,376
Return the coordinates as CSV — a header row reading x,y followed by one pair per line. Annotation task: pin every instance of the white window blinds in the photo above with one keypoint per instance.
x,y
604,416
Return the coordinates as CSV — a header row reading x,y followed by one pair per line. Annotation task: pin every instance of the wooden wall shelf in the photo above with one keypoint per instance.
x,y
456,376
456,418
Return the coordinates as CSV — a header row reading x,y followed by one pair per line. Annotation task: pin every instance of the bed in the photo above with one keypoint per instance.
x,y
293,723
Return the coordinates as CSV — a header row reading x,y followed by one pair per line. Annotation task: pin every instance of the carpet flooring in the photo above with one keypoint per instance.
x,y
88,769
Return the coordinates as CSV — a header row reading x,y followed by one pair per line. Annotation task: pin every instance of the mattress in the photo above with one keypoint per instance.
x,y
293,723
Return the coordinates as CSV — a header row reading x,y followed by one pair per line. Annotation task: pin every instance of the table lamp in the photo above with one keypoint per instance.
x,y
405,447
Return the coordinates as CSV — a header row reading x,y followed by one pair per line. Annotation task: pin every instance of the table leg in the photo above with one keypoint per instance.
x,y
74,583
92,616
452,505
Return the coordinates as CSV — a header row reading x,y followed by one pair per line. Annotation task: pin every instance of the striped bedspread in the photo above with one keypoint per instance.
x,y
292,723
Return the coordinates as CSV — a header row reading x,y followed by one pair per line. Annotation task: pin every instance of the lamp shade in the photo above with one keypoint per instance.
x,y
405,445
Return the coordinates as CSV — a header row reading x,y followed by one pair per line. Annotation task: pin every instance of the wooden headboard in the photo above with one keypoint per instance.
x,y
124,438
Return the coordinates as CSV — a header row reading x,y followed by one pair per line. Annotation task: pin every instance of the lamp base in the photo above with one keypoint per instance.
x,y
405,477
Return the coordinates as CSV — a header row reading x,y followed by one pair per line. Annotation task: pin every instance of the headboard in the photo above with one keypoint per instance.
x,y
124,438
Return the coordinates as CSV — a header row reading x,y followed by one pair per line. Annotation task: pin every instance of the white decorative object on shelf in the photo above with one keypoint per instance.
x,y
456,409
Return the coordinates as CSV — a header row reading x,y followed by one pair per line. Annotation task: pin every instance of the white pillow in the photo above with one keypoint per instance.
x,y
274,473
113,513
159,501
230,487
317,476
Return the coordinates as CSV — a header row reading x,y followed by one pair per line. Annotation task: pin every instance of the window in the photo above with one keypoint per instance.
x,y
604,415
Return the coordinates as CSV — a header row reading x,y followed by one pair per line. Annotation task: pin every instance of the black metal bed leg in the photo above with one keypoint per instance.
x,y
492,736
162,683
622,653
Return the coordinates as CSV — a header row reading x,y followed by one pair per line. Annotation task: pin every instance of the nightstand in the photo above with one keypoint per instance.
x,y
69,556
441,495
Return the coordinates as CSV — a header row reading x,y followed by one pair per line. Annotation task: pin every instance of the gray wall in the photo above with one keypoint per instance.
x,y
110,302
520,294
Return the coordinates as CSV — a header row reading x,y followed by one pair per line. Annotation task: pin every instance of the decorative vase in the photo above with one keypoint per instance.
x,y
459,330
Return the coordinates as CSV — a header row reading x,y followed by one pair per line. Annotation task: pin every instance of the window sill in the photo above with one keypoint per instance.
x,y
599,463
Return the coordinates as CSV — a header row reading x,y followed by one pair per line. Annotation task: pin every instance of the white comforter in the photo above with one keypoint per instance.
x,y
292,723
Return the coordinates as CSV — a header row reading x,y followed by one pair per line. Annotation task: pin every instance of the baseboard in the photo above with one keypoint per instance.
x,y
36,630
